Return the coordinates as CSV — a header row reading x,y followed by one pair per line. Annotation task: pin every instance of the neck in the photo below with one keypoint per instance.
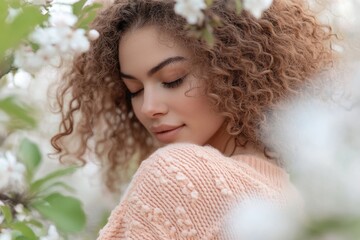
x,y
230,147
225,143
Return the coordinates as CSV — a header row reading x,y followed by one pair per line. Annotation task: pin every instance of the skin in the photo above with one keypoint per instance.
x,y
165,92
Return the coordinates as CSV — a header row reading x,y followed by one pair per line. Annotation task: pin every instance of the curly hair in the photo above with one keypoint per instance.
x,y
253,64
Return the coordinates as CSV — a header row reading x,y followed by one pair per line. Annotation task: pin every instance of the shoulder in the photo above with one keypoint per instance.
x,y
187,162
184,152
187,150
187,172
179,191
179,172
179,157
164,192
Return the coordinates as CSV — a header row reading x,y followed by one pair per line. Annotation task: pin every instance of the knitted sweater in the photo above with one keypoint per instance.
x,y
184,191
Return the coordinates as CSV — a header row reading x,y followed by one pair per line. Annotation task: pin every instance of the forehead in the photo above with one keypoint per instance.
x,y
143,48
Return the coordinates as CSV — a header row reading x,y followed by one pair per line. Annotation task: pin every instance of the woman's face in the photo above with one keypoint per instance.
x,y
165,95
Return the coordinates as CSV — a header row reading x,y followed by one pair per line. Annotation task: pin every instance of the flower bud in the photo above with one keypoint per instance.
x,y
93,35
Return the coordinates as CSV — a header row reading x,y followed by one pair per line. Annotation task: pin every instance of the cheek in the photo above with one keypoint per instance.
x,y
136,104
200,110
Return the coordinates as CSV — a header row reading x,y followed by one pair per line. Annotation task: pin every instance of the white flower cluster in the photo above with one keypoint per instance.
x,y
52,234
259,219
11,172
25,216
191,10
257,7
319,137
5,234
22,215
58,41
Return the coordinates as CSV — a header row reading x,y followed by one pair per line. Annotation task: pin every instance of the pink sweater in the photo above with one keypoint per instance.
x,y
184,191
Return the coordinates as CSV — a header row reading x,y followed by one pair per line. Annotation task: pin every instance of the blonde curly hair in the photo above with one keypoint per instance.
x,y
253,64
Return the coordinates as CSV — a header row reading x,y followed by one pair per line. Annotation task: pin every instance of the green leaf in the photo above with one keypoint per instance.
x,y
91,8
6,211
3,80
21,238
24,229
238,6
208,36
16,31
37,185
6,65
20,113
15,3
78,6
66,212
35,223
86,20
209,2
3,12
59,184
87,15
29,153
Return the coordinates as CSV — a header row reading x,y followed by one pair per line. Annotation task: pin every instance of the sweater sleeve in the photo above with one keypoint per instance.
x,y
180,192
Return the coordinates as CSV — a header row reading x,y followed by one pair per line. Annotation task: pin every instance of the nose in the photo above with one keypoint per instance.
x,y
153,105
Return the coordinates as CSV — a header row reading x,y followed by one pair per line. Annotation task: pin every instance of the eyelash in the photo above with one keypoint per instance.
x,y
173,84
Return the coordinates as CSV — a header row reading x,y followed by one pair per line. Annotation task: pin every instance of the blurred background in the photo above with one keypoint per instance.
x,y
314,124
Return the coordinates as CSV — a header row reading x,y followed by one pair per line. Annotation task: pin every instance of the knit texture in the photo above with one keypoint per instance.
x,y
184,191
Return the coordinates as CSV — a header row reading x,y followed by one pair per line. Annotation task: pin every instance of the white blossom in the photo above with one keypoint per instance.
x,y
56,43
257,7
320,141
79,41
5,234
12,14
20,80
52,234
73,41
257,219
21,215
62,19
191,10
26,59
59,41
49,55
32,62
11,172
93,34
46,36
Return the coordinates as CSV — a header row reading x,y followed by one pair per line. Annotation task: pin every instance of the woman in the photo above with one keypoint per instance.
x,y
148,89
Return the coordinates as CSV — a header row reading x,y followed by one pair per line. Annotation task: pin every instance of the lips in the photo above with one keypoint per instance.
x,y
167,133
164,128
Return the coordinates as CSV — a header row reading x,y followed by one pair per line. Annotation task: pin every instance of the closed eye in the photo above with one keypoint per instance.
x,y
134,94
175,83
172,84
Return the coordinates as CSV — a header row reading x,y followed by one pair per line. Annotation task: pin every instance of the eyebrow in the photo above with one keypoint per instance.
x,y
158,67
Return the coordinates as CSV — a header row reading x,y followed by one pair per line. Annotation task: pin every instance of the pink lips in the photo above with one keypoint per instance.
x,y
166,133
